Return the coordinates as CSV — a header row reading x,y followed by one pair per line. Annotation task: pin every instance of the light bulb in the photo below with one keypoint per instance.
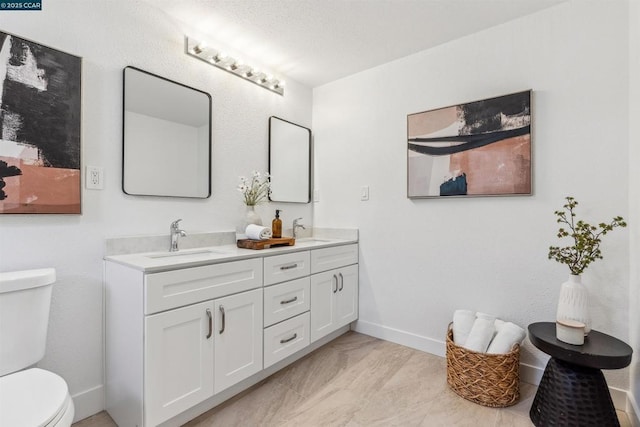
x,y
266,78
234,65
218,57
199,48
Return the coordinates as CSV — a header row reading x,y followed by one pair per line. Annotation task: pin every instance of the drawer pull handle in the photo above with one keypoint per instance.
x,y
335,283
223,320
289,339
288,301
210,323
341,281
288,267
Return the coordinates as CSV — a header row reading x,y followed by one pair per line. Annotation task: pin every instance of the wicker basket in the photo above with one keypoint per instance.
x,y
487,379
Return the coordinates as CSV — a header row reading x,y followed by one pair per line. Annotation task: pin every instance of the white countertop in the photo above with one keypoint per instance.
x,y
151,262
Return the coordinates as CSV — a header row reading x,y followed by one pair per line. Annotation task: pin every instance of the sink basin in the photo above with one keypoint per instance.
x,y
187,253
313,240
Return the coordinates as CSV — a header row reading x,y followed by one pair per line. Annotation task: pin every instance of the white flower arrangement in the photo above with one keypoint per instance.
x,y
256,189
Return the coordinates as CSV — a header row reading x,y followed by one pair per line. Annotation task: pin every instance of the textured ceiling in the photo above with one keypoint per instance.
x,y
318,41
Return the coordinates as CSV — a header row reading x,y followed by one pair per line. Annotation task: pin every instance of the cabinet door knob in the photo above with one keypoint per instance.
x,y
341,281
335,283
289,339
210,323
288,301
223,320
288,267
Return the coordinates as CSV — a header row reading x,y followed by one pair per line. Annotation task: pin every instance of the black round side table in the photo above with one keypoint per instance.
x,y
573,390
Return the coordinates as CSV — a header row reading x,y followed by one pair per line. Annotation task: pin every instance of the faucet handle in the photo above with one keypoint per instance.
x,y
174,224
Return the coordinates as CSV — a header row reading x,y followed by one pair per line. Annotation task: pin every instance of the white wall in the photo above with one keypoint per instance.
x,y
634,196
422,259
110,35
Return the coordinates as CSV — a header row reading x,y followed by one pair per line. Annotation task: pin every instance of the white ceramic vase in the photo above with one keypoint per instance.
x,y
573,303
251,216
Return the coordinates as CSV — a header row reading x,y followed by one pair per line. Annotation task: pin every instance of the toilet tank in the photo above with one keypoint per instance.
x,y
25,297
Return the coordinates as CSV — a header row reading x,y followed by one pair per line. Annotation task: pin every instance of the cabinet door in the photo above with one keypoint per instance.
x,y
178,361
324,286
347,296
238,335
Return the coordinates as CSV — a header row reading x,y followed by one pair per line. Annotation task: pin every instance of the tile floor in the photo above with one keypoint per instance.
x,y
357,380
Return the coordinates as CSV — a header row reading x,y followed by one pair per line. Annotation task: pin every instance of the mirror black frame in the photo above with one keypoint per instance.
x,y
310,160
210,147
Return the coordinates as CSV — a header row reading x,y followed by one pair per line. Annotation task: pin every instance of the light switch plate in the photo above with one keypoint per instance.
x,y
364,193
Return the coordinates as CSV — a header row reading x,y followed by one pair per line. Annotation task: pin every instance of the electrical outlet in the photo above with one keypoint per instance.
x,y
94,178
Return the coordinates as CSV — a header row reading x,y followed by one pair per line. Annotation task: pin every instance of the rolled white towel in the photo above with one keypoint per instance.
x,y
508,335
499,324
481,333
462,323
487,316
258,232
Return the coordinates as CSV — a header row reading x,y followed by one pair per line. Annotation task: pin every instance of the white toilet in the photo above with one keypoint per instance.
x,y
29,397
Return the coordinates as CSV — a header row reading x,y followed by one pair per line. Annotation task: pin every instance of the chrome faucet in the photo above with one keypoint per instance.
x,y
296,225
176,232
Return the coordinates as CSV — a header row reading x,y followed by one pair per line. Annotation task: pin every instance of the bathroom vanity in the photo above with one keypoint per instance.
x,y
187,330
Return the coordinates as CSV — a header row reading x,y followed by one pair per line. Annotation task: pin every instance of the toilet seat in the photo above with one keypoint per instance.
x,y
64,418
35,398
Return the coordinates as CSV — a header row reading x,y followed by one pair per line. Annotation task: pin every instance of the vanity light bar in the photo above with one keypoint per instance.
x,y
231,65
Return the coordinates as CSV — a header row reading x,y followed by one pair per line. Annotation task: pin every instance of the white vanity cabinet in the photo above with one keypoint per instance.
x,y
334,293
182,338
195,351
175,338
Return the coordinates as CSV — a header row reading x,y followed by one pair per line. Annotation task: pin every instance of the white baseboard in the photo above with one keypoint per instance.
x,y
529,374
397,336
633,411
88,402
620,398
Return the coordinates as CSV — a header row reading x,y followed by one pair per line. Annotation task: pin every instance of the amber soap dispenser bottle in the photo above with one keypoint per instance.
x,y
276,225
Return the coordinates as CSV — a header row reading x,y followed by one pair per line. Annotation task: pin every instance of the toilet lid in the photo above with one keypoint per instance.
x,y
31,398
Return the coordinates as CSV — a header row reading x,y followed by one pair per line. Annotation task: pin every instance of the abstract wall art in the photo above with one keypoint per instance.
x,y
40,115
480,148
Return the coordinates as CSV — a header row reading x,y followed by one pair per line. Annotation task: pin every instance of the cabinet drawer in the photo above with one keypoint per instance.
x,y
286,300
176,288
284,339
281,268
335,257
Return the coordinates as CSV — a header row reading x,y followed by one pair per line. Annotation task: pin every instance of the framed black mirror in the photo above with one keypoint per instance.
x,y
289,161
166,137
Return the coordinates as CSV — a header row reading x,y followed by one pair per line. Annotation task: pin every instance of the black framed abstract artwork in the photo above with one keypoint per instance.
x,y
40,128
481,148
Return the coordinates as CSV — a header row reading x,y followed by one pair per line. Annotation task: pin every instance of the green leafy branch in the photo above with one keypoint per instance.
x,y
586,238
